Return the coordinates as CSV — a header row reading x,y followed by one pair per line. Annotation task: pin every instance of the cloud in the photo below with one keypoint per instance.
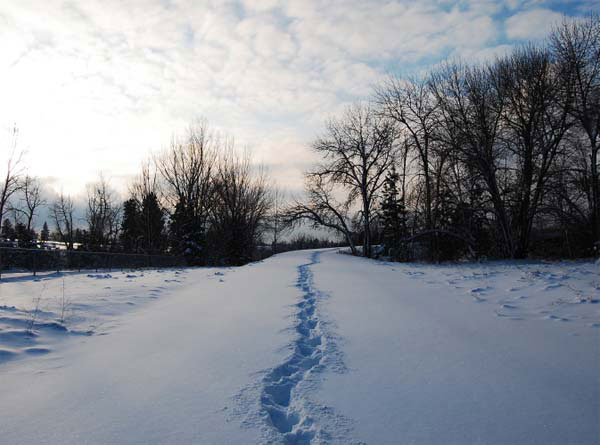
x,y
95,85
261,5
531,25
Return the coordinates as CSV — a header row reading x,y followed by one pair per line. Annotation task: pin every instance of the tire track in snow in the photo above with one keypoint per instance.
x,y
286,409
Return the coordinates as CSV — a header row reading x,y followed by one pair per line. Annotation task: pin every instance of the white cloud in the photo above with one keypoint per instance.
x,y
531,25
95,85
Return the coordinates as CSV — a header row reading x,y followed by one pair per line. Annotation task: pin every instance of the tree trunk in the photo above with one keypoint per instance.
x,y
595,214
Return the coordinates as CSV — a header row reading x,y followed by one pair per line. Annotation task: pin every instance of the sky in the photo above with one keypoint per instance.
x,y
98,85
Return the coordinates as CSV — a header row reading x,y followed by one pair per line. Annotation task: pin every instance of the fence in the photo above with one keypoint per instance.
x,y
37,260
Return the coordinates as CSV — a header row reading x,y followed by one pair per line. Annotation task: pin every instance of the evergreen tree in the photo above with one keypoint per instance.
x,y
20,232
131,231
152,223
45,235
25,236
81,236
393,216
8,231
187,236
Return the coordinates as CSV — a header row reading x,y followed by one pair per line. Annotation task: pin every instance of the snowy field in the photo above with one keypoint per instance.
x,y
304,347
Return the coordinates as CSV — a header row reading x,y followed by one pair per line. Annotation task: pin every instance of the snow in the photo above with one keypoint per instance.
x,y
438,354
304,347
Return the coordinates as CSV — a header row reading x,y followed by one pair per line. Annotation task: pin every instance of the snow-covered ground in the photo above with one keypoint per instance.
x,y
36,313
304,347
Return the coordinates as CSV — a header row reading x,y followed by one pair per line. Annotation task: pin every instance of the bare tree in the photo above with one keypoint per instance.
x,y
568,197
186,170
576,45
12,173
276,225
535,120
240,207
31,199
102,214
470,110
357,150
187,167
61,212
412,106
322,210
145,184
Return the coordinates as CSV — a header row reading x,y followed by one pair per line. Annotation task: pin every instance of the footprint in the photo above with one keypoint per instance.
x,y
553,286
37,351
280,393
479,290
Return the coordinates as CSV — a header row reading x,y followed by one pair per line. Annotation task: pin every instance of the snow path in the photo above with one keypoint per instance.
x,y
283,396
284,413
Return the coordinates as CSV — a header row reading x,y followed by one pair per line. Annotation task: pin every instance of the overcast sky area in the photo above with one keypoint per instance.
x,y
96,86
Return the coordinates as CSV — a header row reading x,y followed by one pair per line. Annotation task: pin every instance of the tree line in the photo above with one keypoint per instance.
x,y
199,198
497,159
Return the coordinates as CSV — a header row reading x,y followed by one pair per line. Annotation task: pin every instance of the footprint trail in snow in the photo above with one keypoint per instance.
x,y
282,397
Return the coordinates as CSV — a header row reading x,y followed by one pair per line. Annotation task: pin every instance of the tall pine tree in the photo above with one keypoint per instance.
x,y
393,216
152,224
45,234
131,232
8,231
187,234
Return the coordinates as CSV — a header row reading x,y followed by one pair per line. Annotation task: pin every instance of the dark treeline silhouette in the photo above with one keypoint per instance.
x,y
497,159
198,202
199,199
